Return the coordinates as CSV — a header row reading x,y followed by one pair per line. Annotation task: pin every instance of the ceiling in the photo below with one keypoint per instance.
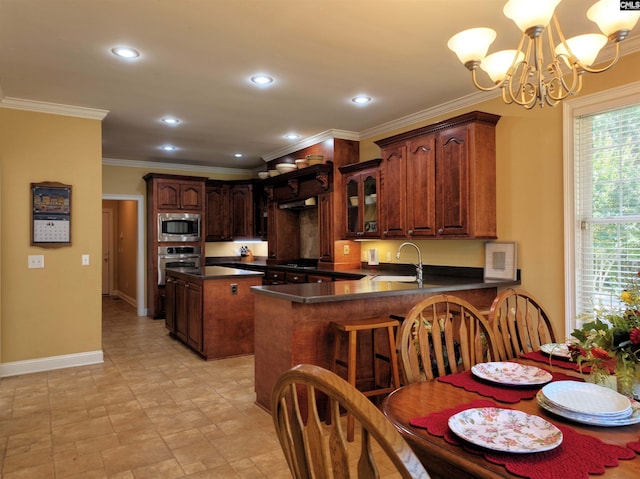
x,y
197,57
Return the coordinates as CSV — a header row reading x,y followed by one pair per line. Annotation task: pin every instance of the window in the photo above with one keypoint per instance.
x,y
602,198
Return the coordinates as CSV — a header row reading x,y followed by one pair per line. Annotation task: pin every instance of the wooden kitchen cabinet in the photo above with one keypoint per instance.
x,y
229,211
194,315
325,227
283,233
170,304
361,186
179,195
439,181
214,315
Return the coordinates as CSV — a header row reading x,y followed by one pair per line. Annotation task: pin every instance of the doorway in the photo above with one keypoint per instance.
x,y
139,248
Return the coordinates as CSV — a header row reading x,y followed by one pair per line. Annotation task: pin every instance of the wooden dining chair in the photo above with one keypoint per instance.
x,y
520,322
316,450
441,335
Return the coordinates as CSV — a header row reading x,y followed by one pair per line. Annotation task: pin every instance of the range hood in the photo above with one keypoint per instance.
x,y
299,204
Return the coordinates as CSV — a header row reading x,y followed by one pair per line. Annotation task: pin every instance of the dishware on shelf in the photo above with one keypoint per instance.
x,y
273,172
587,399
315,159
559,350
506,430
302,163
353,200
633,418
263,175
370,199
286,167
512,374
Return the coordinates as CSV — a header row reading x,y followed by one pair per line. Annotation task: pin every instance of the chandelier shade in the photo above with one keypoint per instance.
x,y
546,67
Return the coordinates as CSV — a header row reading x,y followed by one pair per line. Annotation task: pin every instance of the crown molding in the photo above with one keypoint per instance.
x,y
176,166
53,108
312,140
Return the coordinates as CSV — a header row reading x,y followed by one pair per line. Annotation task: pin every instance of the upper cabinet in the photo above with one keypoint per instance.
x,y
229,210
361,183
439,181
175,194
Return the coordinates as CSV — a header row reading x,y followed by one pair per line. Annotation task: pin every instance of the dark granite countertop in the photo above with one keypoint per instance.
x,y
213,272
365,288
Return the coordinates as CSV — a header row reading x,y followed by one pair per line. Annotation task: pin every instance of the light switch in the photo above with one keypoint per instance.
x,y
36,261
85,260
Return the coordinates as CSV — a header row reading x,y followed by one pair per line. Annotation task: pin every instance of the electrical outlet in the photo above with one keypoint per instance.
x,y
345,249
36,261
234,288
85,260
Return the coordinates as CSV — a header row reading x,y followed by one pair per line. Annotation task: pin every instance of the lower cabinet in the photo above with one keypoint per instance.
x,y
214,317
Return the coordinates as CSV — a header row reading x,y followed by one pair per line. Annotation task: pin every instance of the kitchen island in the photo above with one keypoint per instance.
x,y
292,320
211,309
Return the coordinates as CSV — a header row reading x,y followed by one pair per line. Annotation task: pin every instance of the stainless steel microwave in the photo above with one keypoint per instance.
x,y
179,227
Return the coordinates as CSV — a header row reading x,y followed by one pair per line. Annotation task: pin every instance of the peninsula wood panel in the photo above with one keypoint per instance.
x,y
289,333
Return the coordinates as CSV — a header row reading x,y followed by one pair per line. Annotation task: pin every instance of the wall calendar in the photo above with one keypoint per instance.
x,y
51,214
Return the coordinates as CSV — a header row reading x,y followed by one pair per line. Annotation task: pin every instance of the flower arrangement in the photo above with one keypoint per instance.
x,y
609,340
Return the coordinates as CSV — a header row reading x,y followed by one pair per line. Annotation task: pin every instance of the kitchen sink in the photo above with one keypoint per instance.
x,y
401,279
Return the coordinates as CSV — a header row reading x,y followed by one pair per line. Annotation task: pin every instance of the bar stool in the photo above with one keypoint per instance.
x,y
351,364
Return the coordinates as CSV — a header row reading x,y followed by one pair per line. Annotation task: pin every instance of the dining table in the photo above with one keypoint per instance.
x,y
420,412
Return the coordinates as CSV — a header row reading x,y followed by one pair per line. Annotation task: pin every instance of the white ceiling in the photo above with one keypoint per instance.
x,y
197,57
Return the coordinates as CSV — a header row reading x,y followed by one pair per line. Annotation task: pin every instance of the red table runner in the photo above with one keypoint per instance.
x,y
507,394
578,456
560,363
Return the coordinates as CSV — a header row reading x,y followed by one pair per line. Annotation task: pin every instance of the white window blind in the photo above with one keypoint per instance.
x,y
607,205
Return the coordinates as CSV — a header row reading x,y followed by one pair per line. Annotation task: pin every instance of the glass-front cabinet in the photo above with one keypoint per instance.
x,y
362,184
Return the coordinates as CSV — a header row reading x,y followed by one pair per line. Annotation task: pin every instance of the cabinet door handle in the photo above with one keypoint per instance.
x,y
410,232
385,233
295,278
440,231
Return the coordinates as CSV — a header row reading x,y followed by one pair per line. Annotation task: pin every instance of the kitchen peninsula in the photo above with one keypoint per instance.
x,y
292,320
211,310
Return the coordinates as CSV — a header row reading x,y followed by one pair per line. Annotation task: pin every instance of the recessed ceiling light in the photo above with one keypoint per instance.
x,y
361,100
125,52
169,148
292,136
169,120
238,155
261,80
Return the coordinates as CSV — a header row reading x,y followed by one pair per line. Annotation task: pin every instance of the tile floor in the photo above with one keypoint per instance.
x,y
152,410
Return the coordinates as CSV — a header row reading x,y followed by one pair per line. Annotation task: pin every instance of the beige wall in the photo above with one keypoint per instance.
x,y
529,191
56,310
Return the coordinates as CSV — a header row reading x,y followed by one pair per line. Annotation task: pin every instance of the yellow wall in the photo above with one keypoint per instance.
x,y
56,310
529,191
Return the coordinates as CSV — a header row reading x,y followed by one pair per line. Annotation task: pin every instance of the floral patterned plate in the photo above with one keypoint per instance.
x,y
505,430
560,350
512,374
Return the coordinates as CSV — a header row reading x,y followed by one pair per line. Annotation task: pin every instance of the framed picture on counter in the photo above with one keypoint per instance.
x,y
51,214
500,258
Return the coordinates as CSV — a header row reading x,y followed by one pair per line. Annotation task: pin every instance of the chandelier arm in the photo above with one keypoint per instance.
x,y
605,68
474,78
557,82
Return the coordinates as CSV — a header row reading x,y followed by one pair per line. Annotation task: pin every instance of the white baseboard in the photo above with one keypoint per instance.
x,y
49,364
126,298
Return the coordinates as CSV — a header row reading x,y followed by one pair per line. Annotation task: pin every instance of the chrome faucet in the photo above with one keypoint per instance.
x,y
419,265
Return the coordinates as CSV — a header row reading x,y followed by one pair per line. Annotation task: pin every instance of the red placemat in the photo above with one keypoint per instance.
x,y
508,394
635,445
578,456
561,363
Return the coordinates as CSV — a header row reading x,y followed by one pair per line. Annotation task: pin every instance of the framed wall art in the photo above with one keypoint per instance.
x,y
500,259
51,214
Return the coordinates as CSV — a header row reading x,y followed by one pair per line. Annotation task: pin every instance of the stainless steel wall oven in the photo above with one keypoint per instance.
x,y
177,257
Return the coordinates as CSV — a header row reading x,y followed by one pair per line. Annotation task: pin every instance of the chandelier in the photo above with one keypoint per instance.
x,y
539,73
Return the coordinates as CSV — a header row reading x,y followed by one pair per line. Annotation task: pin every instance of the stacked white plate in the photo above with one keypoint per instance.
x,y
588,403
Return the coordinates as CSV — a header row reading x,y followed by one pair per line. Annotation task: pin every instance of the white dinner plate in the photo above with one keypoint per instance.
x,y
560,350
512,374
587,398
634,418
506,430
